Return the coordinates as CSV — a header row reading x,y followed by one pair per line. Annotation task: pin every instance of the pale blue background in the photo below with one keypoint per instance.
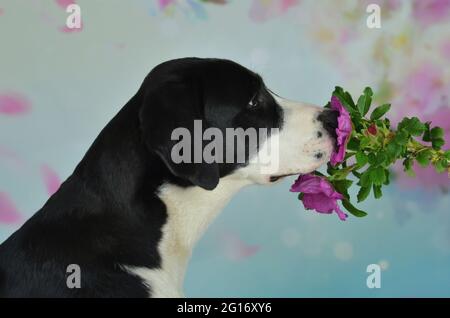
x,y
78,81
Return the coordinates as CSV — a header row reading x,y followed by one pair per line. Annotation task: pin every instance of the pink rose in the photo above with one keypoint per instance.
x,y
343,131
318,194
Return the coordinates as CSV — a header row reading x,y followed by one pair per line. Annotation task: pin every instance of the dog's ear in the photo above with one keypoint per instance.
x,y
175,104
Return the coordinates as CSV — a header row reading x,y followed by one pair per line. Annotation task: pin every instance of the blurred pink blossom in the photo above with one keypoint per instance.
x,y
216,1
51,179
346,35
235,248
65,29
389,4
445,49
263,10
428,12
11,157
422,91
426,178
64,3
8,212
164,3
14,104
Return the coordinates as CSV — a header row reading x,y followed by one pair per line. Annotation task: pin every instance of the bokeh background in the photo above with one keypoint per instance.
x,y
59,87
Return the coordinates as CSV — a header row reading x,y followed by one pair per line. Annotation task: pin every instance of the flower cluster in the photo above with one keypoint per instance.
x,y
366,148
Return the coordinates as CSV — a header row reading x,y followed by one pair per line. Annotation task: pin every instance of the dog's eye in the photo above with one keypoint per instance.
x,y
253,103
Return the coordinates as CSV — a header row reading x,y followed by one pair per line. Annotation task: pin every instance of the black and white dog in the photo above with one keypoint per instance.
x,y
129,216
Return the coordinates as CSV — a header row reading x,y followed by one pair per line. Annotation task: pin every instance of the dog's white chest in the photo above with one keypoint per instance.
x,y
190,211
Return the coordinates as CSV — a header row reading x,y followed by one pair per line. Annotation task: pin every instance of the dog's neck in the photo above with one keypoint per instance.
x,y
190,211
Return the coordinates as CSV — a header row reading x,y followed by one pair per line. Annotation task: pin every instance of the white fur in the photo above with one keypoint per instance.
x,y
297,143
191,210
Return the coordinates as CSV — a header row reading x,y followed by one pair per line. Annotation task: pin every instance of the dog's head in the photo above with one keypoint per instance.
x,y
209,118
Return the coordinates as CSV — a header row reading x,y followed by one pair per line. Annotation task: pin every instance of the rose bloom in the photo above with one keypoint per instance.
x,y
318,194
343,131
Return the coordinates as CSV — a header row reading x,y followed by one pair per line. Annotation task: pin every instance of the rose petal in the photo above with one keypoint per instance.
x,y
319,202
343,131
299,181
340,213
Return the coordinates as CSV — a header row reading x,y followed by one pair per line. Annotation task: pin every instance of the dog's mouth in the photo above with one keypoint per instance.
x,y
278,177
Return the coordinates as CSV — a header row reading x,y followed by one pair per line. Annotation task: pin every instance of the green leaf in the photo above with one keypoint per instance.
x,y
361,104
423,157
447,154
377,176
345,99
377,192
393,150
353,144
356,120
361,158
437,143
364,101
364,142
380,111
365,180
427,134
363,193
444,163
387,173
441,165
300,196
401,137
342,186
381,158
350,208
318,173
372,158
407,167
356,174
437,133
412,126
349,99
330,169
368,93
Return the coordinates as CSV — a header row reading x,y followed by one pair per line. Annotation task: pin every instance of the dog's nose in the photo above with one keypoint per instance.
x,y
328,118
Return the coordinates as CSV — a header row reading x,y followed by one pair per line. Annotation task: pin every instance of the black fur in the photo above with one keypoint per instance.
x,y
107,214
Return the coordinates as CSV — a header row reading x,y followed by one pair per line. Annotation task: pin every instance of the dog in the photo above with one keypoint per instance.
x,y
129,216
